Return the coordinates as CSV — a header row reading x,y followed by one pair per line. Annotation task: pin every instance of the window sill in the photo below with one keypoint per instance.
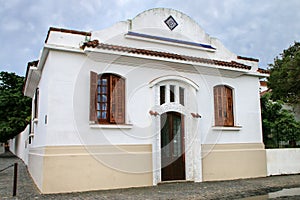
x,y
227,128
111,126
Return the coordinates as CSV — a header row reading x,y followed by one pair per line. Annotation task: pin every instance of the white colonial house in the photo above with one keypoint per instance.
x,y
148,100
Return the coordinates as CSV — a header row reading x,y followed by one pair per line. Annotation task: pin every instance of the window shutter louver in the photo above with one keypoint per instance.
x,y
117,103
229,107
218,106
223,106
93,96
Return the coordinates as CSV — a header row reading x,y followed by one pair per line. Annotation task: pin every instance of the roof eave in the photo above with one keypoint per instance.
x,y
33,76
258,74
238,71
32,80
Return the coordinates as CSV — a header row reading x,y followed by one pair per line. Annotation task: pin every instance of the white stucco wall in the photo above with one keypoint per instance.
x,y
39,127
64,99
283,161
19,145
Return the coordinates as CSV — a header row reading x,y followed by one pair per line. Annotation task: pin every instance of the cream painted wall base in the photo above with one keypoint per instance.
x,y
80,168
233,161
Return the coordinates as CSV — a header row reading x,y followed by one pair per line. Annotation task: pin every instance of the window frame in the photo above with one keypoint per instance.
x,y
101,94
115,98
172,92
36,104
162,94
182,95
224,114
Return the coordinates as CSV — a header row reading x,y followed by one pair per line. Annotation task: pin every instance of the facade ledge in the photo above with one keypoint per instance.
x,y
111,126
169,41
227,128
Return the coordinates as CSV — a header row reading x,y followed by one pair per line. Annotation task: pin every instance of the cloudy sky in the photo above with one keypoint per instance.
x,y
253,28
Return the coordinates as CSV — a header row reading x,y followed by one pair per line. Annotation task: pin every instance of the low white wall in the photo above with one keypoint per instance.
x,y
19,145
283,161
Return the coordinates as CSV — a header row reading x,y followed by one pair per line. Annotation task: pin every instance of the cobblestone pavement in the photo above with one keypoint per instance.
x,y
236,189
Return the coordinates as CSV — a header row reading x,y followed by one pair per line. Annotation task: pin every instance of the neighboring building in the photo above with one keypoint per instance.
x,y
295,109
263,87
147,100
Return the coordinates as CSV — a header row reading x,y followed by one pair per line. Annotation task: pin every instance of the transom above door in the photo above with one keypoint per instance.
x,y
171,93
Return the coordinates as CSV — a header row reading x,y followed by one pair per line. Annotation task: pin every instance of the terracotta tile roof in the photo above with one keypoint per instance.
x,y
96,44
67,31
263,71
263,83
246,58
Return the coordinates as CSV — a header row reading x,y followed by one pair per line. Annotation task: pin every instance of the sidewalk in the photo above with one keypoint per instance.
x,y
236,189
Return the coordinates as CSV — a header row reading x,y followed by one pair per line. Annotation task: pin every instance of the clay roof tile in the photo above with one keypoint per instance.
x,y
96,44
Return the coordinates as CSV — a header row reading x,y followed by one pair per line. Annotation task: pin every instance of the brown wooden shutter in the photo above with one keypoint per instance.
x,y
93,96
223,104
218,106
117,101
229,107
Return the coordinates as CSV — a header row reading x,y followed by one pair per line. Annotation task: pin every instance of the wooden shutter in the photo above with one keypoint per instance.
x,y
117,100
223,104
93,96
218,106
229,107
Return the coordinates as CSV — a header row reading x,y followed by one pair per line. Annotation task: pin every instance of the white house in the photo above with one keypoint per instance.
x,y
148,100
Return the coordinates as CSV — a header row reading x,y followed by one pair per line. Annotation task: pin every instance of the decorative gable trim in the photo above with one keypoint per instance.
x,y
170,41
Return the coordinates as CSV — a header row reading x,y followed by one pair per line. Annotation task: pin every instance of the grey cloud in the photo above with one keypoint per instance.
x,y
255,28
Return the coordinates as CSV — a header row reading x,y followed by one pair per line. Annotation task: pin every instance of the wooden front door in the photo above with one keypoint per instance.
x,y
172,147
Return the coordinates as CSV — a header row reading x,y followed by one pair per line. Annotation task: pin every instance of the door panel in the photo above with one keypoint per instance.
x,y
172,147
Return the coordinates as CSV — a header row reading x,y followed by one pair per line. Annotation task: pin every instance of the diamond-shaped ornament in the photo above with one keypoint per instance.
x,y
171,23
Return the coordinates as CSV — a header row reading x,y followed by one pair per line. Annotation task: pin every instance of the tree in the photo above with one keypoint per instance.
x,y
15,108
284,77
278,124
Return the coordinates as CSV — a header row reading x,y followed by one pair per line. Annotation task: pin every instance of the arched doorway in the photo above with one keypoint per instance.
x,y
172,146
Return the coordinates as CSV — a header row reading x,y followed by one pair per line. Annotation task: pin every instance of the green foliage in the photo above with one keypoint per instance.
x,y
279,125
284,77
15,108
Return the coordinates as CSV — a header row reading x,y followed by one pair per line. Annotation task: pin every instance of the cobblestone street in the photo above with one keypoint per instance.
x,y
236,189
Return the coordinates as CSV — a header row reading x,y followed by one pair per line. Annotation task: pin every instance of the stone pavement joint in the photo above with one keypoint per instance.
x,y
235,189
